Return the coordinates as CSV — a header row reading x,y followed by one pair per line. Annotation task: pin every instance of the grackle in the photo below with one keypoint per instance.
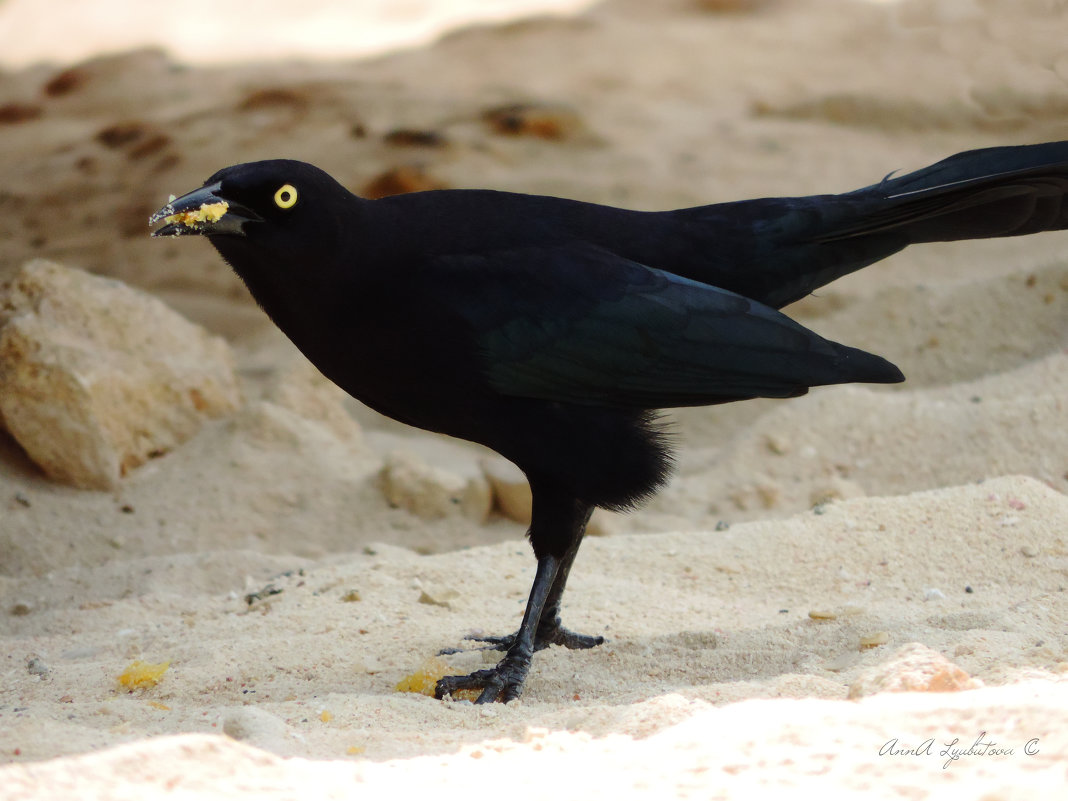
x,y
551,330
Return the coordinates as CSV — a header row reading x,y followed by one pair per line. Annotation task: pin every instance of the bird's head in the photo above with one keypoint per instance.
x,y
279,224
261,205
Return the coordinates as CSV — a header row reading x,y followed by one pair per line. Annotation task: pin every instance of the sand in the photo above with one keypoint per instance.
x,y
934,512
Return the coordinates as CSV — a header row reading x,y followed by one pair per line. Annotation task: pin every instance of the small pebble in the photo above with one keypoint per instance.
x,y
875,640
37,667
441,597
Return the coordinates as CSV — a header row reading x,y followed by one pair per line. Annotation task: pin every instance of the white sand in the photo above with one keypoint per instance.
x,y
947,521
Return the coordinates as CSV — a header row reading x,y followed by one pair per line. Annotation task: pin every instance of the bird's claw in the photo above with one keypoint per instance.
x,y
503,683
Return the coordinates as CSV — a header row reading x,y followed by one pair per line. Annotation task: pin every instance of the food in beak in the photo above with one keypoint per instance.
x,y
205,214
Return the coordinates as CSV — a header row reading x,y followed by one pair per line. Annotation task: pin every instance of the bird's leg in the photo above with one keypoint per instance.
x,y
505,681
556,531
550,631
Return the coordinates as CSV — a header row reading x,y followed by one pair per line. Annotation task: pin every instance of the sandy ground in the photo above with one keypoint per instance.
x,y
933,513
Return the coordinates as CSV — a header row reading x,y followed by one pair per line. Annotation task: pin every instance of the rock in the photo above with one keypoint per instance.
x,y
299,387
913,668
433,493
511,492
511,497
98,377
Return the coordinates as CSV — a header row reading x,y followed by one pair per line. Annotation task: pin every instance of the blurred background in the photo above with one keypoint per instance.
x,y
60,31
106,108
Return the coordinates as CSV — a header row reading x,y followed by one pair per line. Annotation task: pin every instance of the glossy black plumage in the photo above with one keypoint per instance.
x,y
551,330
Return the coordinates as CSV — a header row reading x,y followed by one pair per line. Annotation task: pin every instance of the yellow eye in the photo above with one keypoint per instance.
x,y
286,196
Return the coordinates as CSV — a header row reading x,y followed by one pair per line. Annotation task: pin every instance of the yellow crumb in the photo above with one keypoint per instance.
x,y
158,705
354,750
208,213
140,675
425,679
326,716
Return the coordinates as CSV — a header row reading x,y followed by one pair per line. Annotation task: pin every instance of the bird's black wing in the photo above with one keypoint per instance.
x,y
577,324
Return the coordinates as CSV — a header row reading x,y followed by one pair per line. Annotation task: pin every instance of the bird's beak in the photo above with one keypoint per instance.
x,y
203,211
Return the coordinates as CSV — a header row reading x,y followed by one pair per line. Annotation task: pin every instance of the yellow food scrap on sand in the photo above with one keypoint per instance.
x,y
326,716
426,678
158,705
140,675
208,213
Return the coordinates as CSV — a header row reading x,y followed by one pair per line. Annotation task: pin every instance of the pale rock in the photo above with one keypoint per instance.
x,y
98,377
511,497
299,387
280,428
448,453
432,493
913,668
511,492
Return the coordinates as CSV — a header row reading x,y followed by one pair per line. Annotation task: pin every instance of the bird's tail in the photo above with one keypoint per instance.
x,y
978,194
778,250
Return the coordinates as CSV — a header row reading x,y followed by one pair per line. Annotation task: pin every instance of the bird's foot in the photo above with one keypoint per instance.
x,y
505,681
502,683
548,634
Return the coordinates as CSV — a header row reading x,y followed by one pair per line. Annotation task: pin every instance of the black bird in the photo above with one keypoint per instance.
x,y
551,330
